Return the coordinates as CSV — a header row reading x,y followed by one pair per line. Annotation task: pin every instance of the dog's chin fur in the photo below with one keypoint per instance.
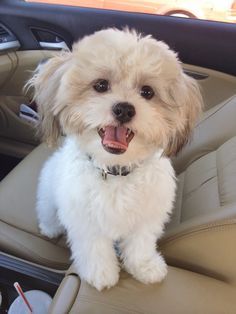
x,y
72,194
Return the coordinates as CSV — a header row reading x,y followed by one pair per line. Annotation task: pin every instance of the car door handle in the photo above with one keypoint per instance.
x,y
54,46
11,45
8,40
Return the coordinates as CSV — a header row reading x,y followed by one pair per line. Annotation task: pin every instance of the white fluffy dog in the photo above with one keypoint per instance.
x,y
125,106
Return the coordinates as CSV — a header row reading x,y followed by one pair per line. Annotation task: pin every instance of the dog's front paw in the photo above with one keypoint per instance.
x,y
51,231
102,277
151,270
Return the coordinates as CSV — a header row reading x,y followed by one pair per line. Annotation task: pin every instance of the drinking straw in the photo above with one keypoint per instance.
x,y
22,295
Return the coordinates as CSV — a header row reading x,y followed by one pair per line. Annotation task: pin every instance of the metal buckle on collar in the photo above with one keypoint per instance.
x,y
104,174
122,171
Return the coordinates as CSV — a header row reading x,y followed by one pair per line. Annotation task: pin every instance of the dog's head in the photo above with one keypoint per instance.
x,y
121,94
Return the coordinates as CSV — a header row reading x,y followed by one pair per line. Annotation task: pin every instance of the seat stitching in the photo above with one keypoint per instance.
x,y
204,228
181,200
198,187
218,179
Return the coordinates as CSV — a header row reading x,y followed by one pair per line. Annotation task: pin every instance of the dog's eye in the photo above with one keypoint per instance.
x,y
101,86
147,92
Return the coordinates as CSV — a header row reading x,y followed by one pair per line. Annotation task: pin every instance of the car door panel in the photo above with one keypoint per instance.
x,y
207,44
6,68
215,86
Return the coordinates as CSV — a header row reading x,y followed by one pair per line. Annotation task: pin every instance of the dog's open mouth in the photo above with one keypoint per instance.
x,y
115,139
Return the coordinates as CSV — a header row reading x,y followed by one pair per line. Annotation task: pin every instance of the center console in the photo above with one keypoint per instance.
x,y
29,275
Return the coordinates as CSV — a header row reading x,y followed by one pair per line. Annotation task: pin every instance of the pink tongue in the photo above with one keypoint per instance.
x,y
115,137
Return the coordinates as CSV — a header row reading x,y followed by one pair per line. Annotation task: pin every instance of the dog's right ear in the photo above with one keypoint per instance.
x,y
46,82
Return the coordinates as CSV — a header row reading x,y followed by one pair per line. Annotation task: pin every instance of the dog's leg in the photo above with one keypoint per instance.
x,y
141,258
49,223
94,258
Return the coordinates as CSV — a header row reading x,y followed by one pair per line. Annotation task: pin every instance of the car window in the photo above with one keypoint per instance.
x,y
217,10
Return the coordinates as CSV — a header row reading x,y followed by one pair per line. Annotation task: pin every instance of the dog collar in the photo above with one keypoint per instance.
x,y
115,170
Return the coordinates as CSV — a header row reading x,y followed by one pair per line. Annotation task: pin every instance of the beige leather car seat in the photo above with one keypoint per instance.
x,y
182,292
19,234
200,234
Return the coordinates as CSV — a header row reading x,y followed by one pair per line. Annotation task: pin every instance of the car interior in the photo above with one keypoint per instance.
x,y
199,241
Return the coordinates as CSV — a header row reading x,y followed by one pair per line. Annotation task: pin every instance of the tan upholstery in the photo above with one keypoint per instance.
x,y
206,189
17,137
66,293
19,233
199,236
182,292
208,250
215,127
216,87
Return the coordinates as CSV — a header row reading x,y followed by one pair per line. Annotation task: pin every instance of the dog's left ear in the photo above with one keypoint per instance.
x,y
186,97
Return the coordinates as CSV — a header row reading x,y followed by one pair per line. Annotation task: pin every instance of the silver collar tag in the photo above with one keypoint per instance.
x,y
104,174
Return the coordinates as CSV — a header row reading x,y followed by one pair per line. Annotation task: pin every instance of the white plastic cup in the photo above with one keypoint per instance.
x,y
39,301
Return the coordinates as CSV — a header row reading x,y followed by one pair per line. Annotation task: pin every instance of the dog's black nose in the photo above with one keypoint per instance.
x,y
123,111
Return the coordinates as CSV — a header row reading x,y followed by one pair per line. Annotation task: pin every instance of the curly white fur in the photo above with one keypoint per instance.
x,y
72,194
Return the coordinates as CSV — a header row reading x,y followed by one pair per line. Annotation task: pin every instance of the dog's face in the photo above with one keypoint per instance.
x,y
124,96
